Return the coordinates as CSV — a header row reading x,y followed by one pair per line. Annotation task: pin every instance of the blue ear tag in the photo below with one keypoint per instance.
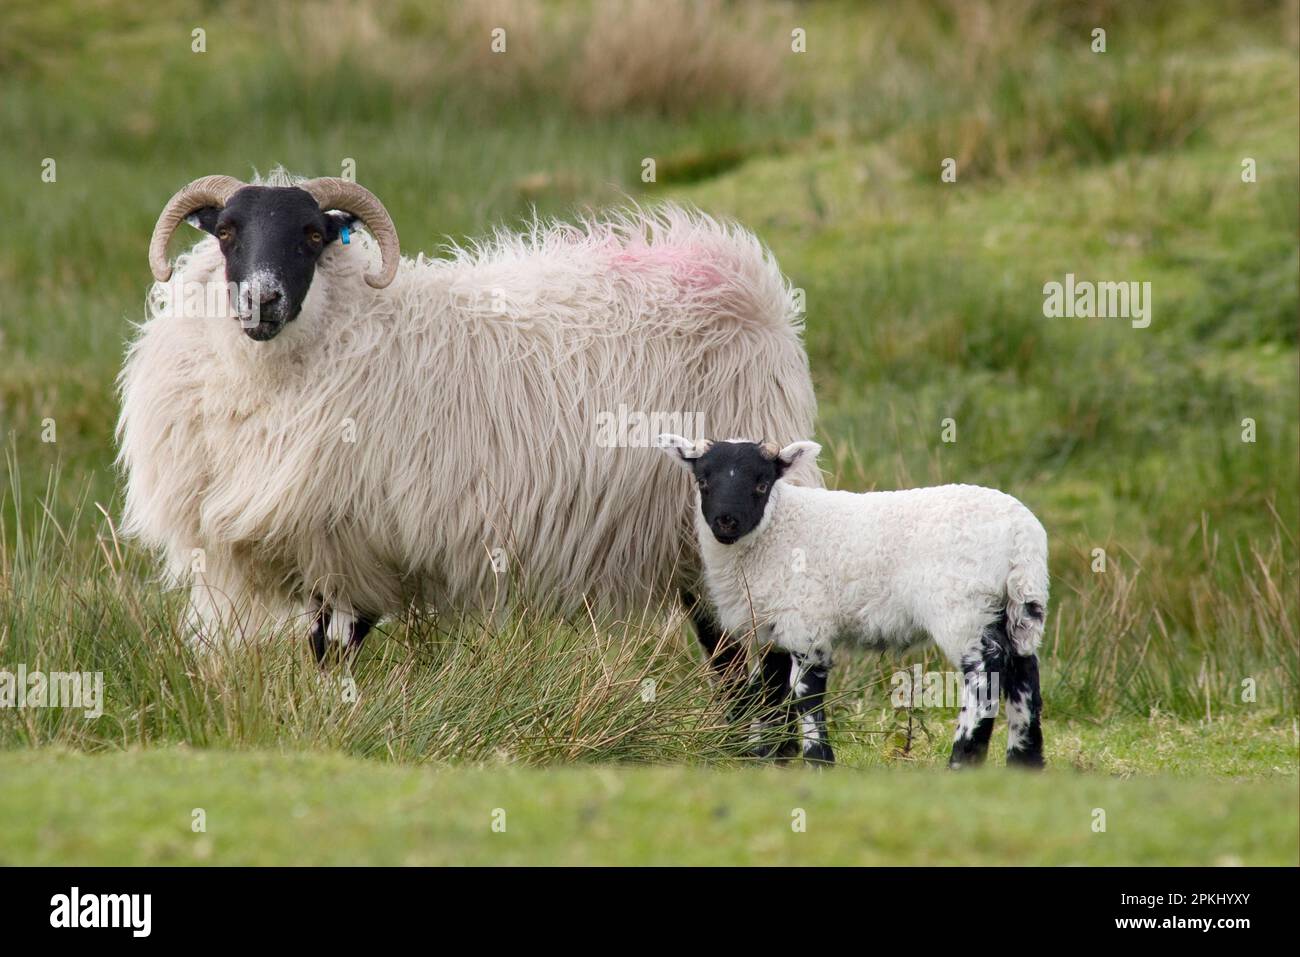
x,y
347,236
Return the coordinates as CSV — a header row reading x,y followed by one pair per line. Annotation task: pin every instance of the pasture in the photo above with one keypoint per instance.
x,y
1163,459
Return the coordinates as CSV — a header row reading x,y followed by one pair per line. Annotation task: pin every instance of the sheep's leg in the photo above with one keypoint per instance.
x,y
221,611
345,630
320,626
808,678
361,626
1024,710
982,668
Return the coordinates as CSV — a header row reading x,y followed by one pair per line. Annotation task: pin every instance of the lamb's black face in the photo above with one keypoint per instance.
x,y
271,238
735,480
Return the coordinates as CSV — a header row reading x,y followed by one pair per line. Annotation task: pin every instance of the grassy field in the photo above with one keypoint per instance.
x,y
267,808
1171,675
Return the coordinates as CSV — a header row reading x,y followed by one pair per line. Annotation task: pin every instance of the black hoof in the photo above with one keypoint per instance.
x,y
819,755
1030,760
771,749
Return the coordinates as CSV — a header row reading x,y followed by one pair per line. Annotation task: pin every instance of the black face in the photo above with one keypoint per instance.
x,y
735,480
271,238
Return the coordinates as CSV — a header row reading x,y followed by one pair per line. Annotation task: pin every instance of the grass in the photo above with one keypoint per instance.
x,y
264,808
1175,665
533,689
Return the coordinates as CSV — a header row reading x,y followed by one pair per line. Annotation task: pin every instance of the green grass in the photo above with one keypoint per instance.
x,y
266,808
924,303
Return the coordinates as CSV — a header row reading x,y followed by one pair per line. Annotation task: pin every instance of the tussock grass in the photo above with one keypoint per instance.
x,y
1004,86
674,57
513,687
1123,643
1082,115
670,57
519,687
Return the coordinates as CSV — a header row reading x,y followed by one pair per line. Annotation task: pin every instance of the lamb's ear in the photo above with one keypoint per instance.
x,y
799,452
682,451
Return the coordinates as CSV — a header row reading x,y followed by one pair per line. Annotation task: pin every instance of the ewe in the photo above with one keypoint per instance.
x,y
433,432
961,565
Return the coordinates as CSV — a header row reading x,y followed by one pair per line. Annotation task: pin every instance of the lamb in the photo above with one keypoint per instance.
x,y
805,568
348,432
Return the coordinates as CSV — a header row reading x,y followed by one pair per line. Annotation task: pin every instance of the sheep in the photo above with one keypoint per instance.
x,y
347,448
805,568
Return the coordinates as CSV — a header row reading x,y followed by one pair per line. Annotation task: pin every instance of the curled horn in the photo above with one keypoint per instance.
x,y
333,193
205,191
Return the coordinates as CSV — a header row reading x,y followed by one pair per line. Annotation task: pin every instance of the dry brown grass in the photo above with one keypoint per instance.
x,y
670,56
660,56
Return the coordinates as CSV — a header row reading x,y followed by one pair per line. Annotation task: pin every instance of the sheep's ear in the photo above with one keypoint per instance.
x,y
336,220
682,451
204,218
799,451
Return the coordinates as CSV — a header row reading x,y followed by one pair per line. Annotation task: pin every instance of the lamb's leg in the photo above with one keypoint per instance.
x,y
1024,709
808,680
725,654
766,703
982,668
726,657
761,698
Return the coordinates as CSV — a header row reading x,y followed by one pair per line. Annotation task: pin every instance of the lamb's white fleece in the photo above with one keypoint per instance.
x,y
883,568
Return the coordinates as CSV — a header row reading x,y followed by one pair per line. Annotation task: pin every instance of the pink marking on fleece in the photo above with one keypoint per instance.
x,y
689,265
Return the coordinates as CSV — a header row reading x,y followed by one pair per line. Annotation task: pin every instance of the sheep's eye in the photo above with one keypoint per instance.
x,y
703,484
315,238
761,488
224,233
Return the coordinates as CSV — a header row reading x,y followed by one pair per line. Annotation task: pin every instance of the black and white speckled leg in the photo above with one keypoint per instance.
x,y
1024,712
767,706
983,671
808,678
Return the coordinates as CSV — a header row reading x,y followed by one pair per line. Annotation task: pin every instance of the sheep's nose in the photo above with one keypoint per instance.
x,y
255,294
726,524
